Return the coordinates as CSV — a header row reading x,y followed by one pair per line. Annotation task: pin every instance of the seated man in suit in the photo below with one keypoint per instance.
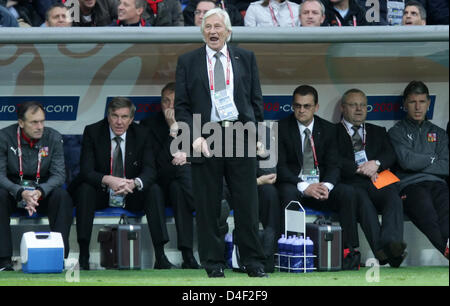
x,y
174,174
118,169
308,163
422,153
365,150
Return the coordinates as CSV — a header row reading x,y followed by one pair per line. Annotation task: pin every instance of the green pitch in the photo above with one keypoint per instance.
x,y
405,276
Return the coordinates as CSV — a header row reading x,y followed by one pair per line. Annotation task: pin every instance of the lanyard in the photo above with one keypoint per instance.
x,y
111,161
313,148
340,23
364,133
274,19
211,72
19,151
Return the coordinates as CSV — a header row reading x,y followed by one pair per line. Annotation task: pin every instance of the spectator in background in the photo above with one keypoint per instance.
x,y
344,13
422,155
414,14
129,13
202,7
95,13
235,15
58,16
312,13
164,13
438,11
24,11
6,18
272,13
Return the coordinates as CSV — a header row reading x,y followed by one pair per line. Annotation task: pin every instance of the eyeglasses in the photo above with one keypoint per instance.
x,y
300,106
200,12
356,105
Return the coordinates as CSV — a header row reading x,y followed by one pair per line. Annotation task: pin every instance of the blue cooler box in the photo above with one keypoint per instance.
x,y
42,252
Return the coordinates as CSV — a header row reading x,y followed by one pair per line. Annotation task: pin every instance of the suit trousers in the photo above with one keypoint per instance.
x,y
178,191
150,200
385,201
426,204
341,200
207,180
57,205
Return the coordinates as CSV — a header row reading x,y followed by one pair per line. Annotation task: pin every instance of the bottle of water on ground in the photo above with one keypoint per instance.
x,y
309,252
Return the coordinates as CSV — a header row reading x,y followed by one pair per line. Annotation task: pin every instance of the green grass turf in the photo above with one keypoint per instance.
x,y
405,276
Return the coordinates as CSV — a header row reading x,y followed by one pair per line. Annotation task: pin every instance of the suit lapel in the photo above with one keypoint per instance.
x,y
235,65
202,67
130,146
104,145
296,139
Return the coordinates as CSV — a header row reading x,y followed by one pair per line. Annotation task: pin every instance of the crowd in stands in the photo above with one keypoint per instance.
x,y
276,13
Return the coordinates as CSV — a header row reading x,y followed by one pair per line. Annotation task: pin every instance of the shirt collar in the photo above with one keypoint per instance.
x,y
210,52
112,135
30,141
303,128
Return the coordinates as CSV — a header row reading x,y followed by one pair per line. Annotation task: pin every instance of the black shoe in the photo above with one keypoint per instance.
x,y
163,264
190,263
257,272
215,273
6,264
83,262
352,260
397,261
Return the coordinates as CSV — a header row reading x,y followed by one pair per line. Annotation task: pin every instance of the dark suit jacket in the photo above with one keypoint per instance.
x,y
96,154
161,140
290,156
378,146
192,95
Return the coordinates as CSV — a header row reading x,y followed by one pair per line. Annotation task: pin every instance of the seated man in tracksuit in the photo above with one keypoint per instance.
x,y
422,154
32,173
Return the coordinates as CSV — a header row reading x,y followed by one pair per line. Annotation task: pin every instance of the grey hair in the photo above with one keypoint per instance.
x,y
225,17
322,7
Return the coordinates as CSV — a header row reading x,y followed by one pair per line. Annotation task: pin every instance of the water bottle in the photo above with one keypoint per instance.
x,y
289,252
229,249
282,253
309,252
296,260
302,254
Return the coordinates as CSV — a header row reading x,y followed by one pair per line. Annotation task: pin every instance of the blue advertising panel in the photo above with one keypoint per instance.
x,y
378,107
57,108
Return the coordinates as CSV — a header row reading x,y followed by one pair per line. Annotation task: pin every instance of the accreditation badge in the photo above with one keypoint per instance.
x,y
225,106
116,200
311,177
361,157
26,185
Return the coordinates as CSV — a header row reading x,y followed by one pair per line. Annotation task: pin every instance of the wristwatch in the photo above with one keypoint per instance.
x,y
377,162
137,183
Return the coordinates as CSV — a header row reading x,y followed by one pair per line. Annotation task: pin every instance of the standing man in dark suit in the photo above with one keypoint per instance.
x,y
213,78
174,174
308,164
118,170
365,151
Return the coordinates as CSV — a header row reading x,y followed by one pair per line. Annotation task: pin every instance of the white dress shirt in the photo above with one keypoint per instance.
x,y
285,14
303,185
211,59
122,147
